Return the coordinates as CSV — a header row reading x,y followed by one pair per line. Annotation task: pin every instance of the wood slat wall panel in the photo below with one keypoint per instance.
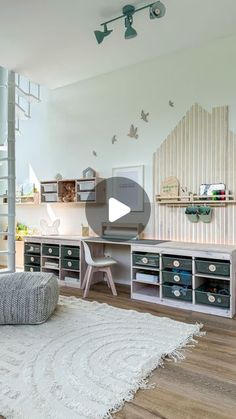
x,y
199,150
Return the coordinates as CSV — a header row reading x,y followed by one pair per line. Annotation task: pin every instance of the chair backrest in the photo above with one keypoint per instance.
x,y
88,258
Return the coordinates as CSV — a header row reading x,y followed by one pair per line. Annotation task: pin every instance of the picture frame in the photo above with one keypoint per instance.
x,y
135,173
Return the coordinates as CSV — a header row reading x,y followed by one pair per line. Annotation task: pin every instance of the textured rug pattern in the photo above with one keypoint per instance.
x,y
85,361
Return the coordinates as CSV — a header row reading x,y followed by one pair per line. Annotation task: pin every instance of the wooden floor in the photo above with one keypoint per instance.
x,y
201,387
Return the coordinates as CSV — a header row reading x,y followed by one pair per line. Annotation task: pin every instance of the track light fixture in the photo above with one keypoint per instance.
x,y
156,11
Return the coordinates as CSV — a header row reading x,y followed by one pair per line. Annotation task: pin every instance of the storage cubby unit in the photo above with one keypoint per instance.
x,y
145,292
188,278
60,257
49,191
66,191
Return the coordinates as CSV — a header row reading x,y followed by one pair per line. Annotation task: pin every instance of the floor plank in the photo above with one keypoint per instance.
x,y
203,386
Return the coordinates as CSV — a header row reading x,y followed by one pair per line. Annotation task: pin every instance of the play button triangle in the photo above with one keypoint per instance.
x,y
117,210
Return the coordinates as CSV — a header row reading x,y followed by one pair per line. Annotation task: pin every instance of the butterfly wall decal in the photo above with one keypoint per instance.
x,y
171,104
95,153
114,139
144,116
48,230
133,132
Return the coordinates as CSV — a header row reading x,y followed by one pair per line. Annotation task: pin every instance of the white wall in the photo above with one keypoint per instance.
x,y
75,120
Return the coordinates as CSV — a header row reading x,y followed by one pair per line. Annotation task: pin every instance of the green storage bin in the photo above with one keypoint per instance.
x,y
213,267
32,248
177,292
70,264
213,299
171,262
50,250
29,268
146,259
178,278
70,252
32,260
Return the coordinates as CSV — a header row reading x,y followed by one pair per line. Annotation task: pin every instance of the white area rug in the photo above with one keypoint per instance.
x,y
85,361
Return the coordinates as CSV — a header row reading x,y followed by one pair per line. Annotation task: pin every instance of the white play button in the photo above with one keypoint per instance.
x,y
117,210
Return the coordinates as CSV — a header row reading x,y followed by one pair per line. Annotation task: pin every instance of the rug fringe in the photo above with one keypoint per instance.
x,y
177,355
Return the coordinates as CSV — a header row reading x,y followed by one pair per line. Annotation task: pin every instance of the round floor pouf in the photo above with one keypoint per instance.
x,y
27,298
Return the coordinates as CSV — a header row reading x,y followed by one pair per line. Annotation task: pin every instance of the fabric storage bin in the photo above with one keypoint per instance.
x,y
88,185
50,197
213,267
146,259
170,262
177,276
147,276
211,298
49,187
32,260
177,292
70,264
70,252
86,196
29,268
32,248
50,250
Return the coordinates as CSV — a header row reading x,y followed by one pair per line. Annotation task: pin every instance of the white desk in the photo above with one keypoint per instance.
x,y
125,271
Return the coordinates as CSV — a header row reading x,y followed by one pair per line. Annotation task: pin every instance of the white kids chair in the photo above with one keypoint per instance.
x,y
101,264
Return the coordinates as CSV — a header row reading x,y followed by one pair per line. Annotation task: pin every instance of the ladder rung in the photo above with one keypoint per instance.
x,y
6,252
7,215
7,177
6,159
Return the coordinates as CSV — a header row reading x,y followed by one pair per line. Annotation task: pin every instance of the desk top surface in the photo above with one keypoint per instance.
x,y
158,244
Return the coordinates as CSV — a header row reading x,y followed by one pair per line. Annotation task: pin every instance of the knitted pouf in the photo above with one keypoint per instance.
x,y
27,298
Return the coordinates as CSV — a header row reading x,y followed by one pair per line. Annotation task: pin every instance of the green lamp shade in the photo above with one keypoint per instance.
x,y
157,10
130,31
101,35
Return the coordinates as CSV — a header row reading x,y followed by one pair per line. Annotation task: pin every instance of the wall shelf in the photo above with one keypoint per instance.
x,y
72,191
184,201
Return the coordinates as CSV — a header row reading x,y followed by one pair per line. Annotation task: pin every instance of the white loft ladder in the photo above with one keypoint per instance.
x,y
7,167
26,93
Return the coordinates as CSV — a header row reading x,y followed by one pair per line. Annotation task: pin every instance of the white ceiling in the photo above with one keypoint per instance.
x,y
52,41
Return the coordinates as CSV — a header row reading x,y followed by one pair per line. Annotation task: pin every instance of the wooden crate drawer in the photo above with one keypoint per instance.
x,y
29,268
32,260
50,250
32,248
70,252
213,267
177,292
211,298
146,259
180,278
170,262
70,264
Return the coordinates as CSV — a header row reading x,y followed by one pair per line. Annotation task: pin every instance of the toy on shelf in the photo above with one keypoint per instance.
x,y
67,191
